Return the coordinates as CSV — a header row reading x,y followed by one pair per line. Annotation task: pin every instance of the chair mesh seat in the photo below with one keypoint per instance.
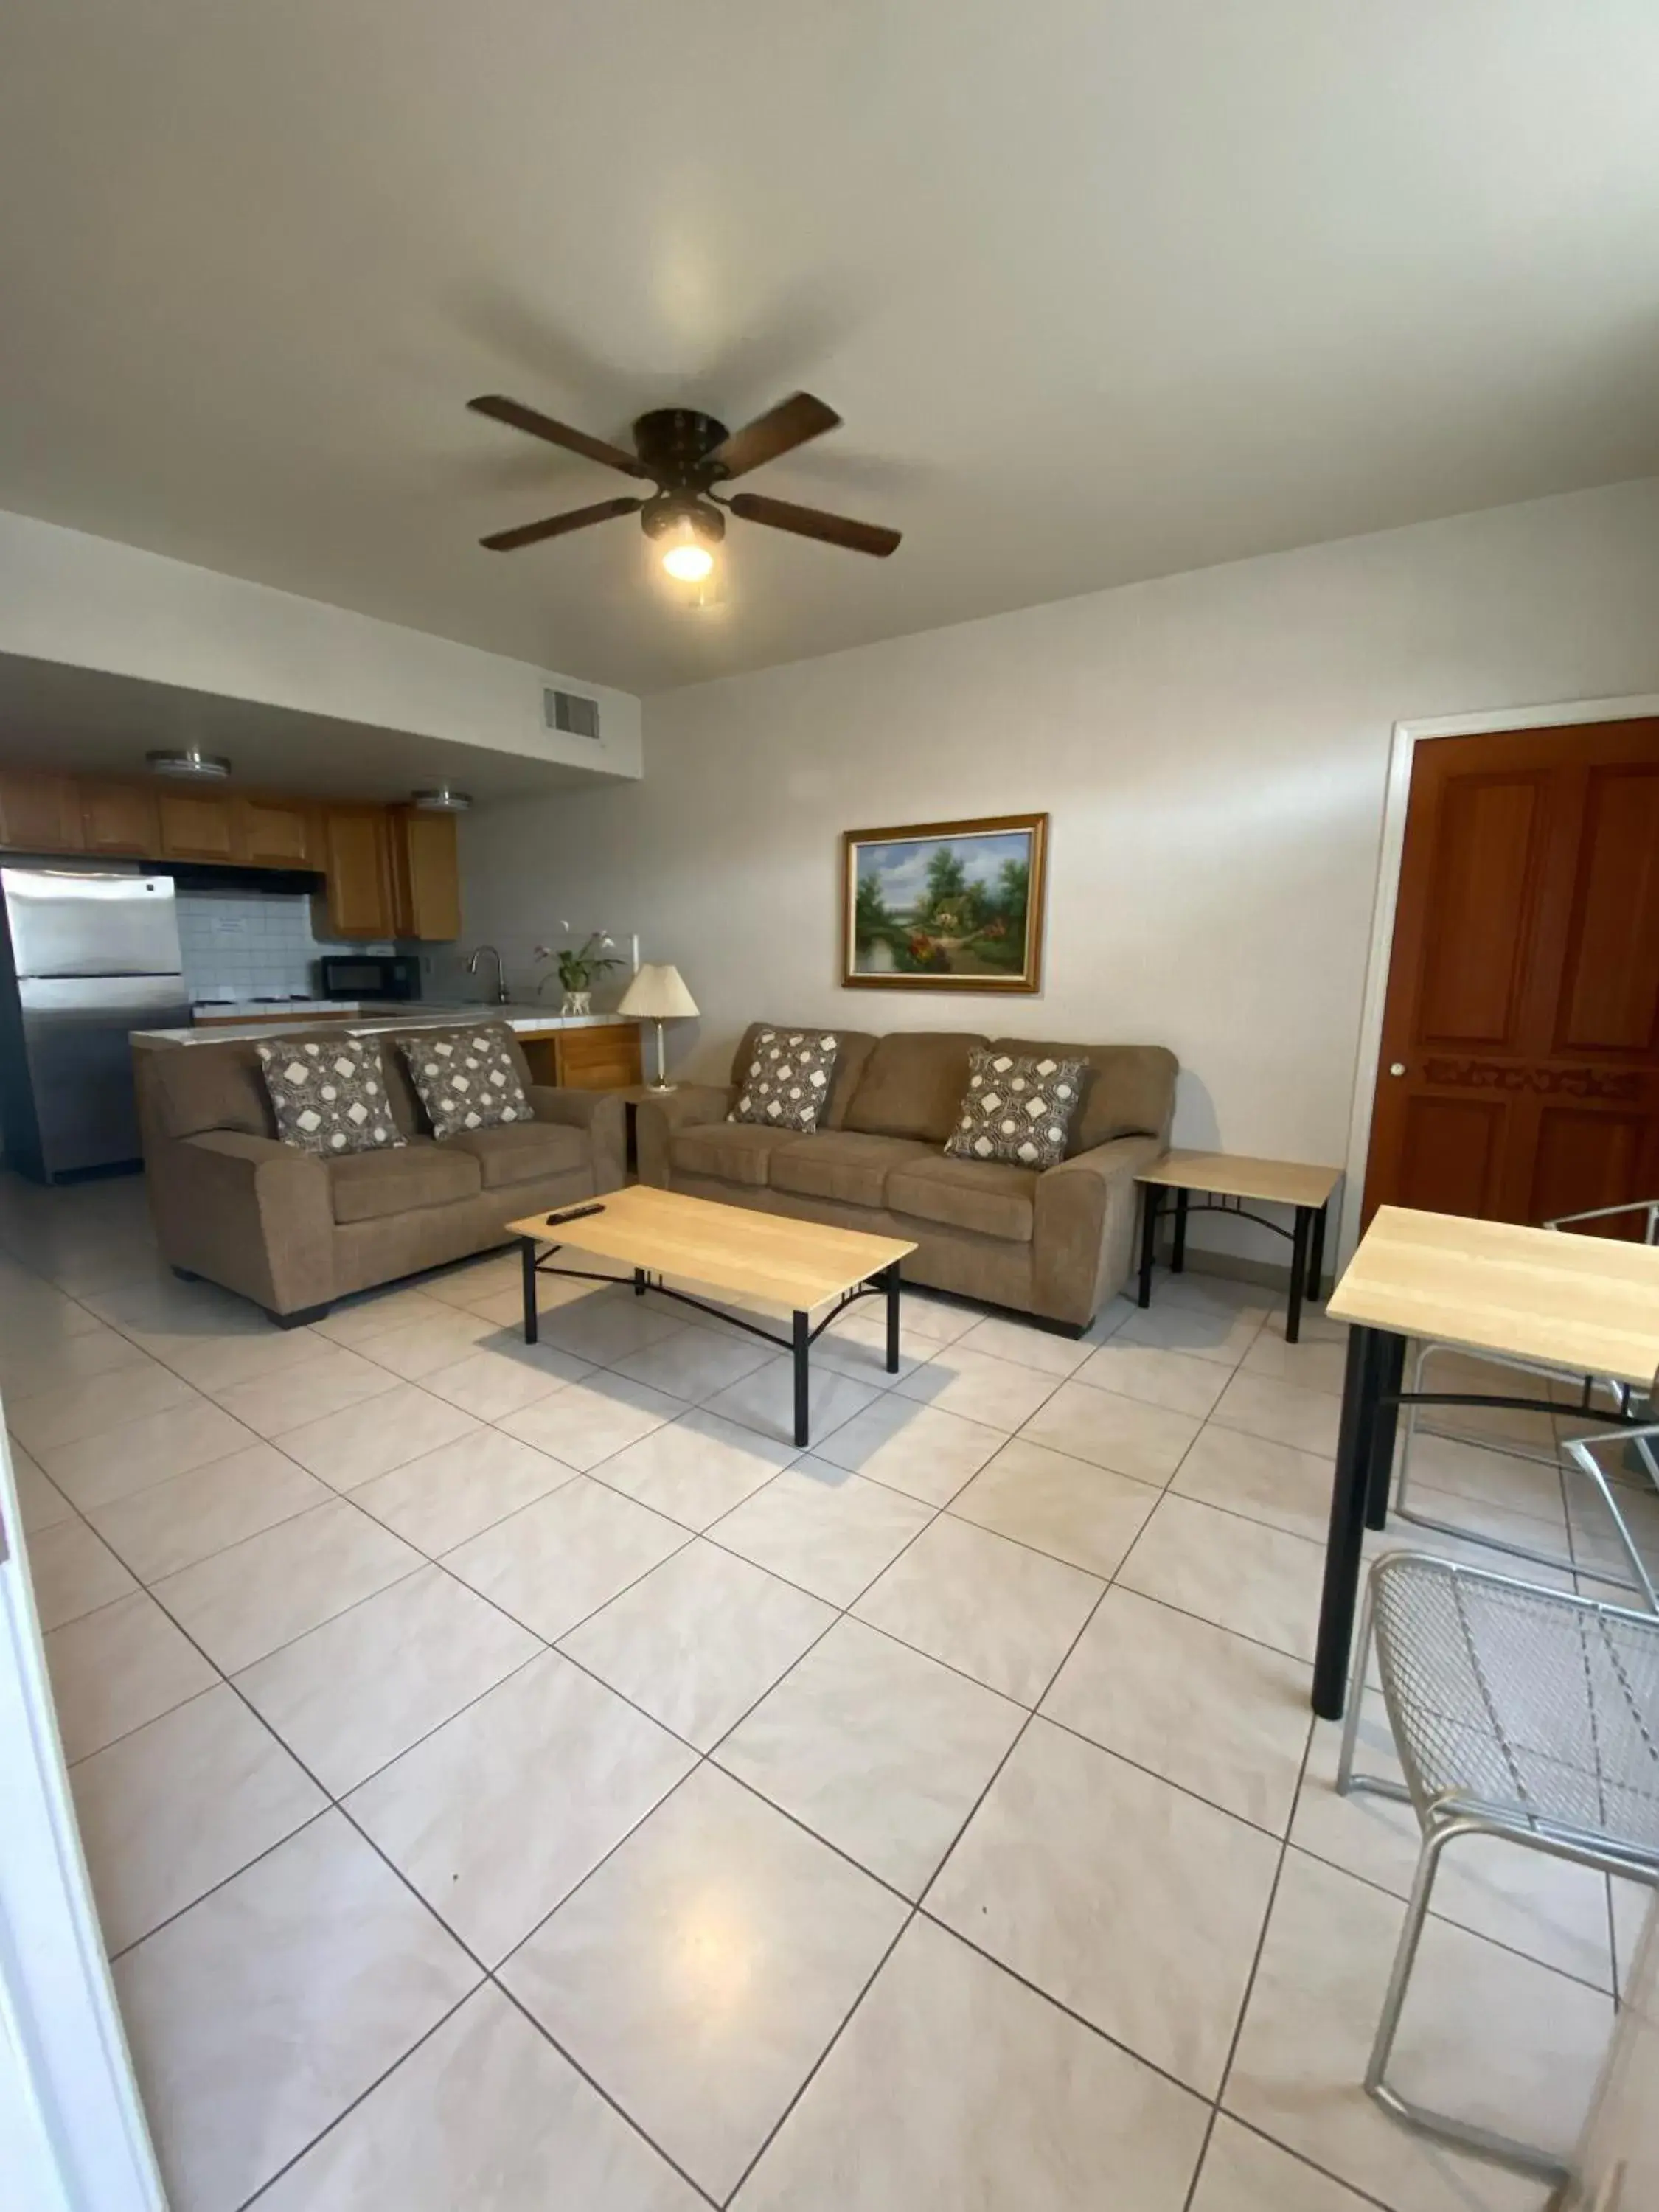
x,y
1519,1700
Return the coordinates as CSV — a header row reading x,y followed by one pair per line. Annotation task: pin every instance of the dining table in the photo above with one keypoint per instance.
x,y
1585,1305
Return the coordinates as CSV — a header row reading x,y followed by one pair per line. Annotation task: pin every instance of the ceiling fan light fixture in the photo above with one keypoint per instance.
x,y
685,552
189,764
440,800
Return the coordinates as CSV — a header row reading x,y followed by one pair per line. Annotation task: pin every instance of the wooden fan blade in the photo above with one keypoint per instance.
x,y
810,522
779,430
532,533
518,417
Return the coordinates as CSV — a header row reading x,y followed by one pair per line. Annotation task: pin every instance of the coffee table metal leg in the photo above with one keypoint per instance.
x,y
801,1344
891,1278
1178,1248
1349,1497
1298,1276
527,1257
1150,1193
1316,1255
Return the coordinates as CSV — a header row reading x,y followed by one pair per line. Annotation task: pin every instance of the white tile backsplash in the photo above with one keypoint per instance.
x,y
251,944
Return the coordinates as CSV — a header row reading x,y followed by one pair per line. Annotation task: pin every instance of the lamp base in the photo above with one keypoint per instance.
x,y
660,1090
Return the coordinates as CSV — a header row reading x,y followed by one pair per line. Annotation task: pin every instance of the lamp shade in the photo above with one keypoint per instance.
x,y
657,993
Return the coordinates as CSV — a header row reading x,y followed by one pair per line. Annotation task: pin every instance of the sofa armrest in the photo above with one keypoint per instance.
x,y
1084,1238
248,1213
604,1117
659,1117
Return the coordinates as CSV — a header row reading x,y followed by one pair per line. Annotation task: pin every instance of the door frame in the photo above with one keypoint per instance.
x,y
1406,737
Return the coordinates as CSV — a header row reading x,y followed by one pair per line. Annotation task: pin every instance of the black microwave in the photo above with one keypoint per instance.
x,y
371,976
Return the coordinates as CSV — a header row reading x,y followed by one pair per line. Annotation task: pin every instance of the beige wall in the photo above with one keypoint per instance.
x,y
1212,749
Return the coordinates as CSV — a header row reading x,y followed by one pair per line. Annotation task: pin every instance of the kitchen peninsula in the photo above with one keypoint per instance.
x,y
580,1052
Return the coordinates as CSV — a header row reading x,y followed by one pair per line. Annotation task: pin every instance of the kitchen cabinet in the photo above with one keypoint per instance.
x,y
39,811
196,825
426,875
274,833
357,864
603,1058
120,817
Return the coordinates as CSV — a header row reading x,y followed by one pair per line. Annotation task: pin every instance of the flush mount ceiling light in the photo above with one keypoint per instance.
x,y
190,764
443,801
686,454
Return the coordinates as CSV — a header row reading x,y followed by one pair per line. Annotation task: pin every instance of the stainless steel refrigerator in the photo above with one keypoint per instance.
x,y
91,955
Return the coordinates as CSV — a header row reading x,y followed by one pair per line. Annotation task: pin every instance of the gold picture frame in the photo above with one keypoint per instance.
x,y
944,906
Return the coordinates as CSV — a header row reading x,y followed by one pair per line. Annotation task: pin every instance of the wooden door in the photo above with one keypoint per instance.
x,y
39,811
426,875
120,817
358,862
196,825
1519,1074
274,833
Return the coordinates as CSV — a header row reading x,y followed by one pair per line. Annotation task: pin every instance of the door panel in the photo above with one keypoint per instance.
x,y
1610,990
76,1040
1582,1159
195,825
1451,1145
1485,860
1519,1073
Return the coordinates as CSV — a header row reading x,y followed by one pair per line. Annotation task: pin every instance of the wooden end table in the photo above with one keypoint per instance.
x,y
1229,1179
785,1267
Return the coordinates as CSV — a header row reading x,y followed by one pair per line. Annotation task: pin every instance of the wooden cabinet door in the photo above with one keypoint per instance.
x,y
196,825
426,874
39,811
274,833
601,1059
120,817
358,865
1519,1074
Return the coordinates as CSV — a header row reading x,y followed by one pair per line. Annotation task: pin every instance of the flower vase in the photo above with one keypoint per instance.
x,y
577,1002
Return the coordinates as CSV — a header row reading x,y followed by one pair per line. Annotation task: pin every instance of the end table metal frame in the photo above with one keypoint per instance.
x,y
1307,1243
535,1261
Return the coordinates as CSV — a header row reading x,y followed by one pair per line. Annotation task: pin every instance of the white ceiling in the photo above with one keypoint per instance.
x,y
1104,288
100,724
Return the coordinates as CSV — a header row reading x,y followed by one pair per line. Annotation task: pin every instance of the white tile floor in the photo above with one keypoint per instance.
x,y
513,1777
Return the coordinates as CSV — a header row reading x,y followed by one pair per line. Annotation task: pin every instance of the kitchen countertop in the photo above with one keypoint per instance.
x,y
421,1013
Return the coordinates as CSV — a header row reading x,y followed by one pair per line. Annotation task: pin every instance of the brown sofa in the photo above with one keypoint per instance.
x,y
1054,1244
294,1232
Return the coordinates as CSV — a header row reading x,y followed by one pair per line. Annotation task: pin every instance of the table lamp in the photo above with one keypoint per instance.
x,y
658,994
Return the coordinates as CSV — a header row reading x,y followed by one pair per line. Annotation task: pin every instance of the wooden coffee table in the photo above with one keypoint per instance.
x,y
787,1266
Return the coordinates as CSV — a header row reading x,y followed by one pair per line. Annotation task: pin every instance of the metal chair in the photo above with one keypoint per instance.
x,y
1518,1713
1581,1451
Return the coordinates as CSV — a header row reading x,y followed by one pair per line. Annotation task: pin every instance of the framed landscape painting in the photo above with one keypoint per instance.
x,y
945,905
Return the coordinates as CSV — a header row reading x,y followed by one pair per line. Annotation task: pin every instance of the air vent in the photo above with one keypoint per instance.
x,y
568,711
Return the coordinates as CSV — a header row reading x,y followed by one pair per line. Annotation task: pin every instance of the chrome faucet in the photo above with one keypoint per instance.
x,y
501,972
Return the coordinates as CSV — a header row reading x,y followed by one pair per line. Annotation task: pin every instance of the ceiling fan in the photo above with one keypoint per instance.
x,y
685,455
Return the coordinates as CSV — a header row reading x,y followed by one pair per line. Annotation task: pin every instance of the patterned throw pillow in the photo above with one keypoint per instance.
x,y
1017,1110
328,1096
467,1078
787,1085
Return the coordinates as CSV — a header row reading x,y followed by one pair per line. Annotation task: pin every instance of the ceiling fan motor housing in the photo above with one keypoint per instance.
x,y
674,444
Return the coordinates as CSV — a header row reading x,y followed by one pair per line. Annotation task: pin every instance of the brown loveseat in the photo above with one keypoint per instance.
x,y
294,1232
1055,1244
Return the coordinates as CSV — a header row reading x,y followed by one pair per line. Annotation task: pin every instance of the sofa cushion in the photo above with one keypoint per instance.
x,y
786,1085
735,1151
986,1196
467,1078
844,1164
369,1186
198,1087
912,1085
328,1095
523,1152
1130,1091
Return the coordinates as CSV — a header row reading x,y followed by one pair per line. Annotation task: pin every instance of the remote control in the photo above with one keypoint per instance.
x,y
574,1214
